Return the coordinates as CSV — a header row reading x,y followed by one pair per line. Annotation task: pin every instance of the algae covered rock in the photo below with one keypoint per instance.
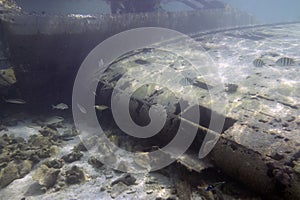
x,y
55,163
75,175
14,170
73,156
46,176
127,179
8,174
25,167
95,162
80,147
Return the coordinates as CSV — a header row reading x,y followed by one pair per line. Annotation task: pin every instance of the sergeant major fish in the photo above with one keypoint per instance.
x,y
285,61
258,62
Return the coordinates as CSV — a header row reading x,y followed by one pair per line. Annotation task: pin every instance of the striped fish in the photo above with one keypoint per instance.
x,y
285,61
258,62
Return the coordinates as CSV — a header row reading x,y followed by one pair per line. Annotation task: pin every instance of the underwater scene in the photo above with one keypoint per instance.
x,y
149,99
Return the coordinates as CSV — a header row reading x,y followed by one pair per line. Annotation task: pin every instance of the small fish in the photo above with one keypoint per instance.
x,y
258,62
60,106
101,107
285,61
54,120
81,108
15,101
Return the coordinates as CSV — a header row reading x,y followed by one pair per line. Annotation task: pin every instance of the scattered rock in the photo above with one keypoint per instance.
x,y
231,88
297,166
95,162
143,160
75,175
69,134
102,189
25,167
122,167
118,189
73,156
183,190
130,191
277,156
3,128
8,174
80,147
34,158
38,141
110,159
48,131
173,191
149,191
3,164
114,139
57,164
127,179
109,176
171,198
104,148
43,153
46,176
151,180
